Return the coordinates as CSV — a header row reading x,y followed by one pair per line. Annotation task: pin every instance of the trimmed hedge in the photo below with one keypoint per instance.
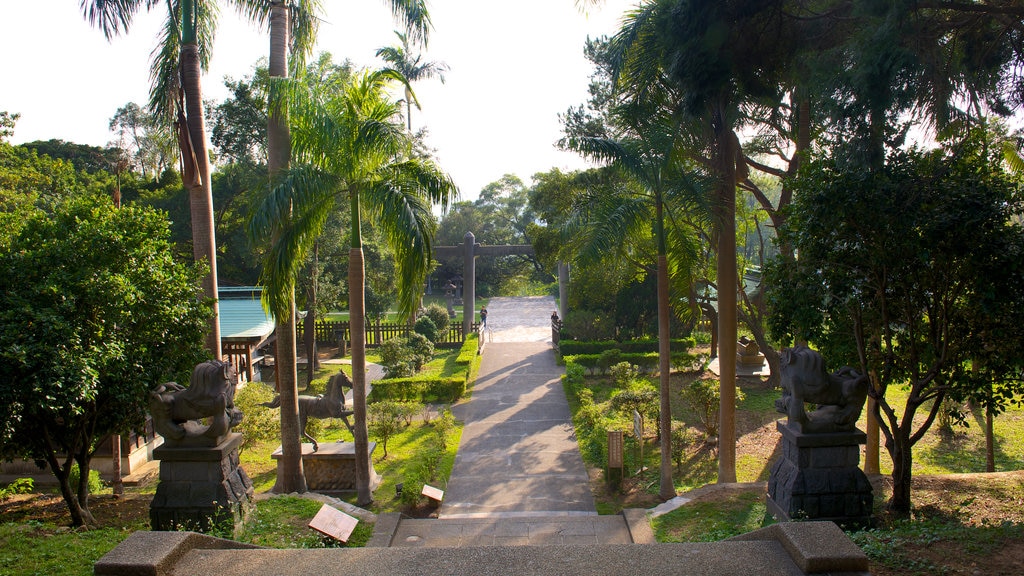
x,y
647,362
447,390
574,347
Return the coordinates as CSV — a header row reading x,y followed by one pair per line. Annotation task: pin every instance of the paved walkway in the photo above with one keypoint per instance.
x,y
518,477
518,454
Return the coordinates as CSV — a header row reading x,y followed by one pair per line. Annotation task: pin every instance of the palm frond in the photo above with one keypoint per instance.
x,y
415,17
112,17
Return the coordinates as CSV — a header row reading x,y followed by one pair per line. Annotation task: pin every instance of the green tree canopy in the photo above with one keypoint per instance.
x,y
94,312
913,274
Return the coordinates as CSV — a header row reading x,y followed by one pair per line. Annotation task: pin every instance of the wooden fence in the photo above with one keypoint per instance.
x,y
331,332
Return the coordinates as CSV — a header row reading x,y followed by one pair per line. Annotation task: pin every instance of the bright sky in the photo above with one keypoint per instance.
x,y
514,66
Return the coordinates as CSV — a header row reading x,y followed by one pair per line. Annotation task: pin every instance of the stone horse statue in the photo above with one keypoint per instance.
x,y
839,396
330,404
203,413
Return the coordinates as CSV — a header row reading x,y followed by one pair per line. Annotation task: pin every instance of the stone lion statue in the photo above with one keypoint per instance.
x,y
839,396
203,413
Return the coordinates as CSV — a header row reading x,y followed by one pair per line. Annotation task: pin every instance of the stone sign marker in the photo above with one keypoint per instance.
x,y
616,458
435,494
334,523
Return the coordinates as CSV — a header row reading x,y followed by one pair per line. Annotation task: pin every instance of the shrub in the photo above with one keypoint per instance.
x,y
95,484
260,424
427,469
573,375
681,440
394,358
421,389
422,349
426,327
408,410
588,325
384,420
569,347
439,316
623,373
642,398
609,358
702,396
19,486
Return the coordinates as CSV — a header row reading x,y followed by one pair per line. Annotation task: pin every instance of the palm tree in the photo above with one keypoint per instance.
x,y
648,152
718,56
349,144
411,68
284,19
176,97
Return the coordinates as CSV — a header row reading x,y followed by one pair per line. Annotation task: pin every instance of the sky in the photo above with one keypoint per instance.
x,y
514,66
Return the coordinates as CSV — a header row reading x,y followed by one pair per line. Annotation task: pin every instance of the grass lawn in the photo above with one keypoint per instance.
x,y
35,539
964,521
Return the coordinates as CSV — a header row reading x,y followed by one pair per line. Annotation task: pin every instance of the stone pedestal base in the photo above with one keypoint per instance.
x,y
818,478
201,488
332,468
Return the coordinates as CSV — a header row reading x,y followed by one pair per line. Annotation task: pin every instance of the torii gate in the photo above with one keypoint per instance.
x,y
469,250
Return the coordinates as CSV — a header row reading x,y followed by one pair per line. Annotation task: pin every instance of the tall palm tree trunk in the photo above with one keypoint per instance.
x,y
200,191
292,476
727,144
357,322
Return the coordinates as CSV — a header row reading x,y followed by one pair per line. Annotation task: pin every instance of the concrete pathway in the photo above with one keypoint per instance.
x,y
518,454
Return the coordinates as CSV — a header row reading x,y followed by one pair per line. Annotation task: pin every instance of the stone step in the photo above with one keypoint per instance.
x,y
502,530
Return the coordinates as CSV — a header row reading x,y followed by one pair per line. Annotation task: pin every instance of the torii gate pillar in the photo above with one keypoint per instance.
x,y
469,245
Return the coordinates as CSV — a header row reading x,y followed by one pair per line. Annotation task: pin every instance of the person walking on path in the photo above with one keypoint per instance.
x,y
483,316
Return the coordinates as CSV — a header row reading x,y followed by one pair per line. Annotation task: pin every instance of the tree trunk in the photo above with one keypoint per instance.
x,y
309,324
667,488
902,473
200,192
990,445
292,478
357,320
727,284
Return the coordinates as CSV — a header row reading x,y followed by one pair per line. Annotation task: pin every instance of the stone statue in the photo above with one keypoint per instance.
x,y
839,396
203,413
330,404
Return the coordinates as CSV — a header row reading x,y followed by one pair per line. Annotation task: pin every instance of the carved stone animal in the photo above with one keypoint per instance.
x,y
178,411
330,404
839,396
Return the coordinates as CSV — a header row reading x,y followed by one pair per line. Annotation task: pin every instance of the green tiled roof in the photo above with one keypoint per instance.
x,y
243,318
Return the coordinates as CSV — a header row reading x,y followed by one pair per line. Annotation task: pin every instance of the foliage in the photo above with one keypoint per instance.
x,y
647,362
641,397
425,327
623,373
703,396
439,316
587,325
427,467
421,389
383,420
19,486
569,347
84,339
260,424
910,273
403,357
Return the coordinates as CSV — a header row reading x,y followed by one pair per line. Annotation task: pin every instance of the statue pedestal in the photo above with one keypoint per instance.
x,y
818,478
201,487
332,468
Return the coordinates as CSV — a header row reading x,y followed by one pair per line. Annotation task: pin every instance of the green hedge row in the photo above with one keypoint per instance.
x,y
420,389
446,390
647,362
574,347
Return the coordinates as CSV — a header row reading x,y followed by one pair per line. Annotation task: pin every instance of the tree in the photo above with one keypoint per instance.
x,y
912,273
83,340
412,68
150,145
715,57
662,194
176,98
347,146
